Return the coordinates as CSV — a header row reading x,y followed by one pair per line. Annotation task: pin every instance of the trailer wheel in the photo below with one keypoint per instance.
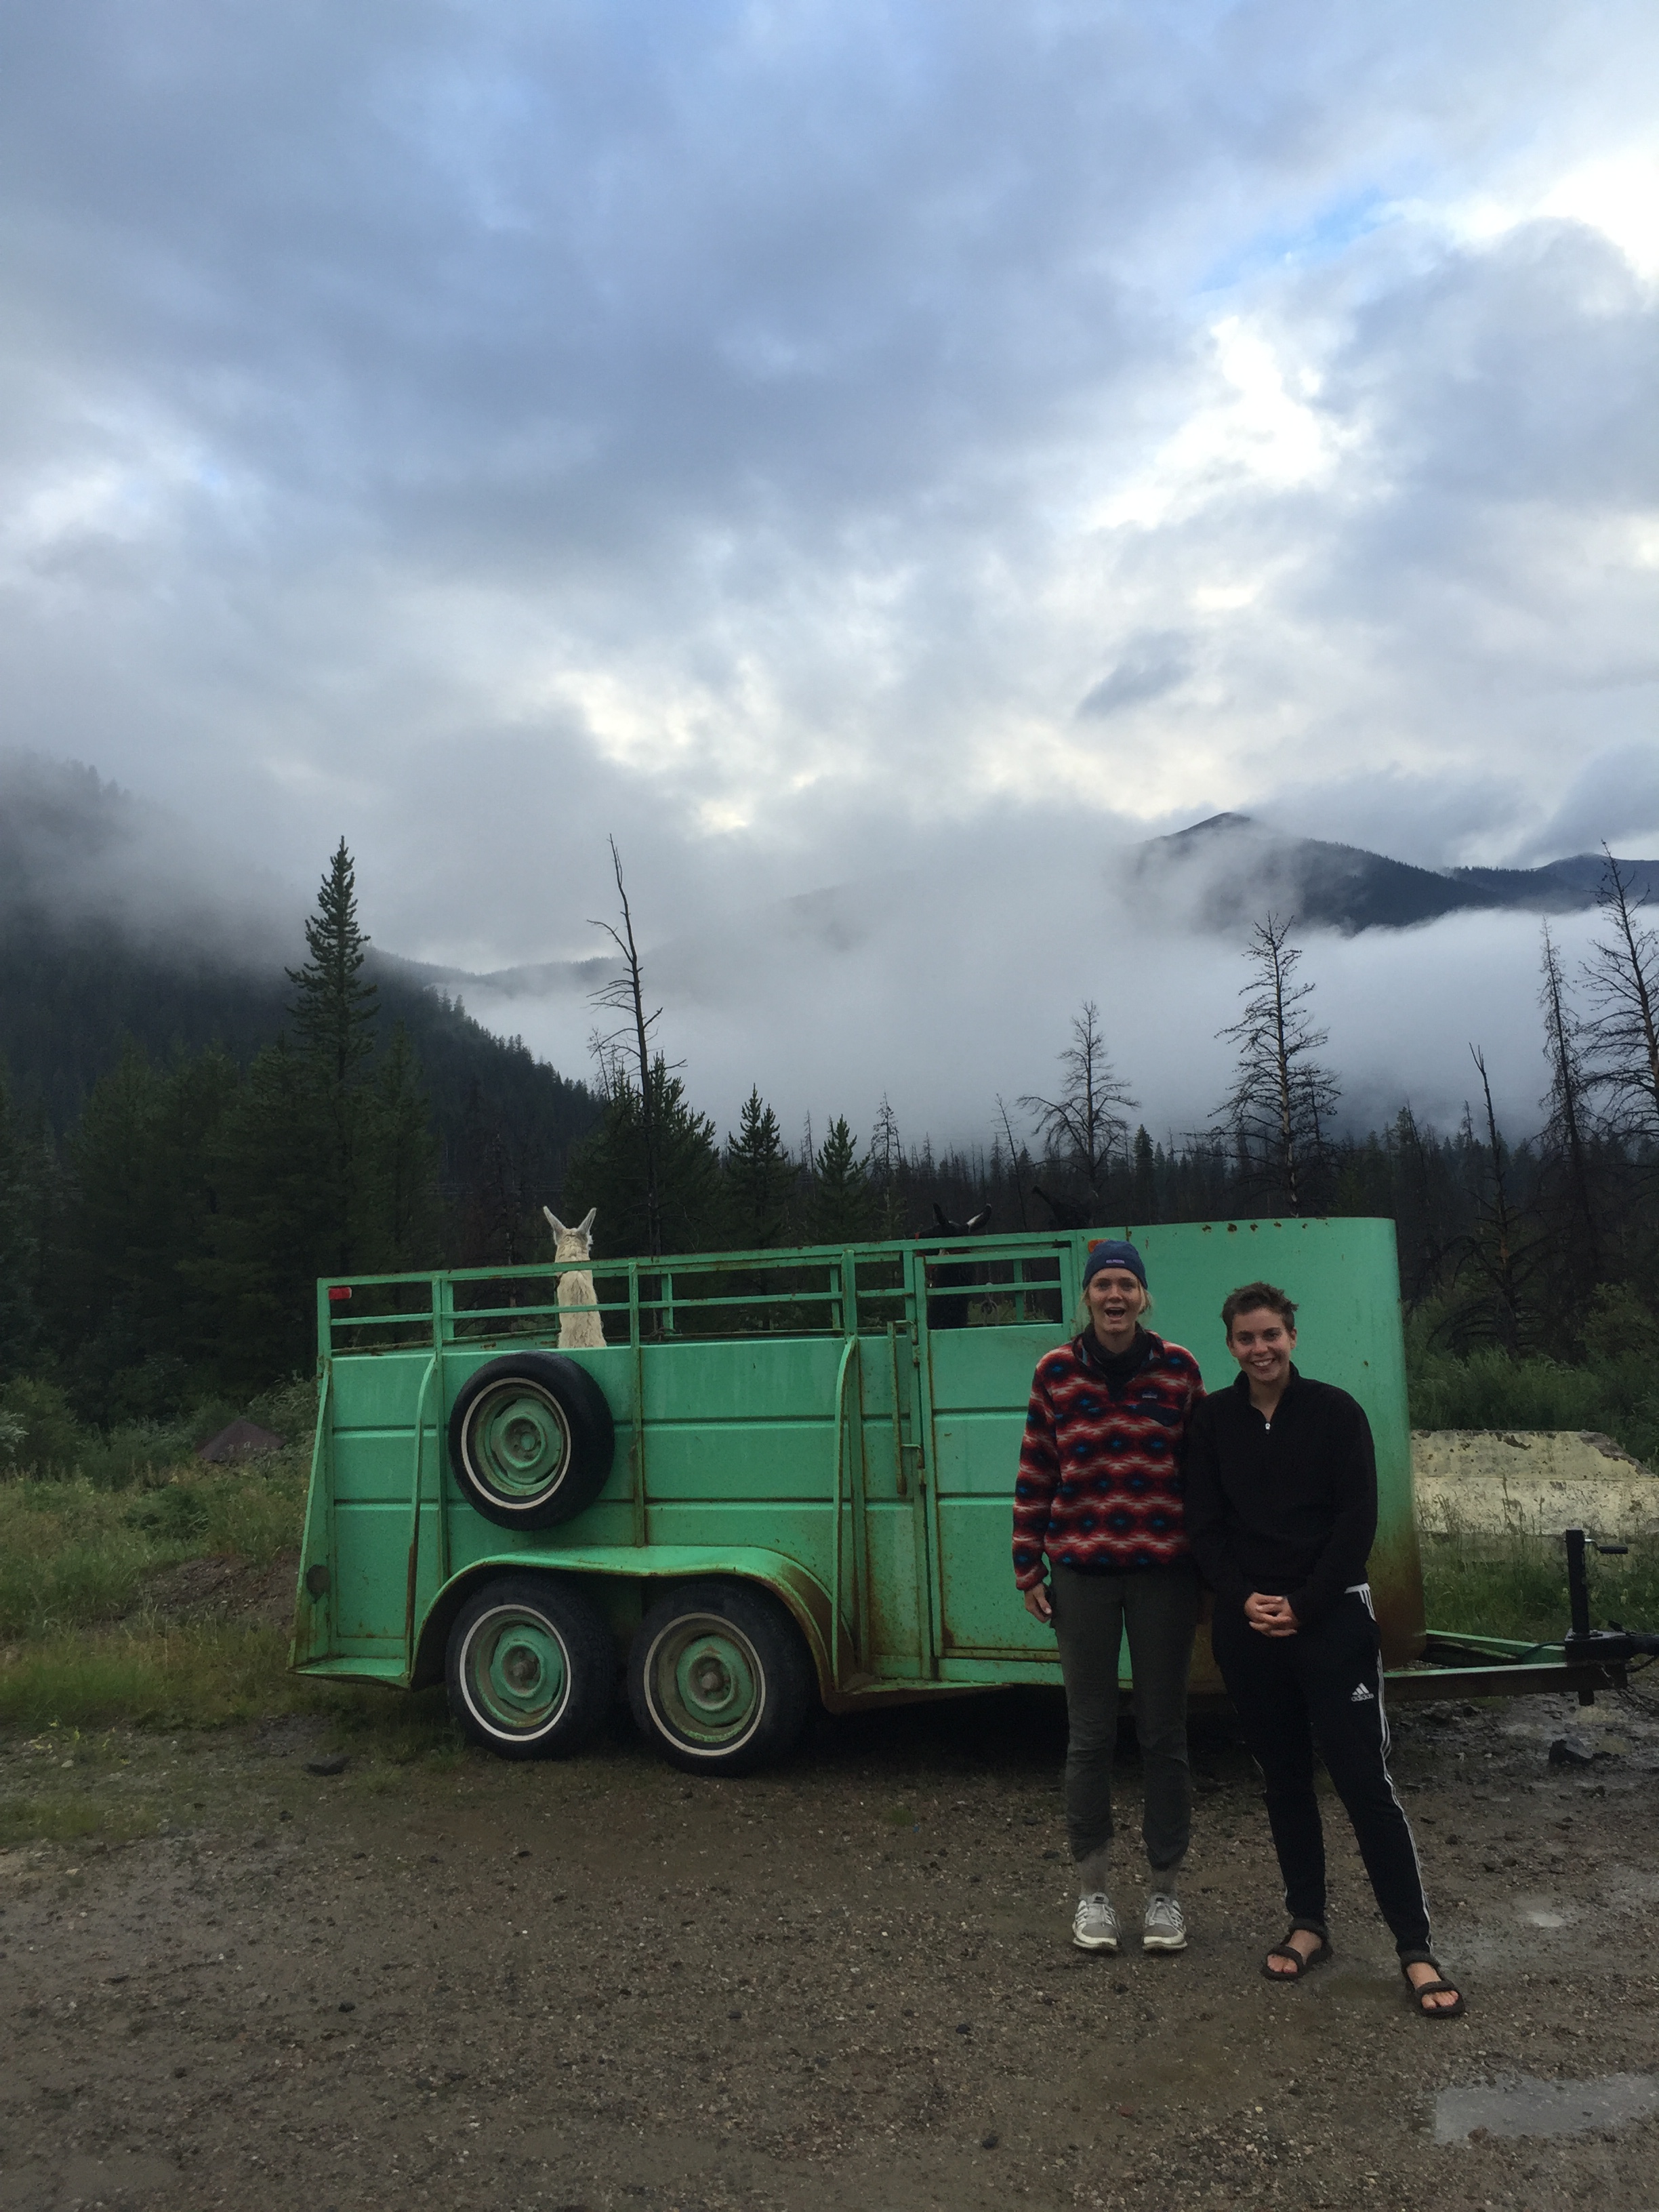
x,y
530,1667
530,1440
719,1679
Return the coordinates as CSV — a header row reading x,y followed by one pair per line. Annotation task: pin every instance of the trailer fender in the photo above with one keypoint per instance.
x,y
807,1601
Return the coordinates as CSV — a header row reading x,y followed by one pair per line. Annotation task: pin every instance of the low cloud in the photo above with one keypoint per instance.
x,y
889,458
1150,667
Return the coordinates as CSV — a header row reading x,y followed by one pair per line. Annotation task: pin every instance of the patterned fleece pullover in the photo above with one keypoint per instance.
x,y
1100,1484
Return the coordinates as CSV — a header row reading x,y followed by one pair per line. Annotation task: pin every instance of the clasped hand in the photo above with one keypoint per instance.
x,y
1270,1616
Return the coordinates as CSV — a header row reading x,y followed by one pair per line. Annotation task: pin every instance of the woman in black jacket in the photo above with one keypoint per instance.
x,y
1281,1512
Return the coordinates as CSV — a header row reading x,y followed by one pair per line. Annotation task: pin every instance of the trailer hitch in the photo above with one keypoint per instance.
x,y
1612,1645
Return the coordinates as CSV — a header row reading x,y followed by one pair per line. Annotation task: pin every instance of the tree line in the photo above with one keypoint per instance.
x,y
166,1243
163,1242
1543,1243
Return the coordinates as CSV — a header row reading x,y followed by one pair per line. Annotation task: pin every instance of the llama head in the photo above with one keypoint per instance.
x,y
575,1243
974,1226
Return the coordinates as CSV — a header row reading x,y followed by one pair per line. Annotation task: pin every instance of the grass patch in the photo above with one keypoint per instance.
x,y
74,1555
1517,1586
200,1675
207,1676
69,1820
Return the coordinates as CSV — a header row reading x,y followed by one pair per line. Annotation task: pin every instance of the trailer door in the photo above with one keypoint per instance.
x,y
981,1348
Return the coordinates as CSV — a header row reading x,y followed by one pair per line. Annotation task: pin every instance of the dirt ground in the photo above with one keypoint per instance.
x,y
848,1983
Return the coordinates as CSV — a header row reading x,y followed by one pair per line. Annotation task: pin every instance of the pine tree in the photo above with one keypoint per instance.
x,y
277,1230
303,1185
1144,1191
18,1319
333,1014
758,1177
609,1170
408,1213
141,1319
1280,1109
841,1205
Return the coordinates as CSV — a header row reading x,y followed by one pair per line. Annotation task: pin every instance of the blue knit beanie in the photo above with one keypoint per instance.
x,y
1114,1252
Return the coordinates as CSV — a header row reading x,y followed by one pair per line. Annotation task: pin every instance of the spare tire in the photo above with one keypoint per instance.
x,y
530,1440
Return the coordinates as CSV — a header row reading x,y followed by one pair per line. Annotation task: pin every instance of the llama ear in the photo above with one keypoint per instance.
x,y
553,1221
585,1226
976,1222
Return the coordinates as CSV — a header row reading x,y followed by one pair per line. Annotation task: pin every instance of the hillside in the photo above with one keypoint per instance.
x,y
113,930
1227,870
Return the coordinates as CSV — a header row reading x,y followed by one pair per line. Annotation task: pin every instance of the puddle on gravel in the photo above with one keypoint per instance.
x,y
1522,2106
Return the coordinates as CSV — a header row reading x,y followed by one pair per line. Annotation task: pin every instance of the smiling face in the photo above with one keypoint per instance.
x,y
1261,1341
1116,1302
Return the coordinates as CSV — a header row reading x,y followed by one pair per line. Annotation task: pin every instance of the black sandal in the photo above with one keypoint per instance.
x,y
1438,1988
1287,1950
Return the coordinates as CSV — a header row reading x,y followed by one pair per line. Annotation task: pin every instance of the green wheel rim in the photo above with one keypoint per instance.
x,y
515,1671
517,1442
705,1684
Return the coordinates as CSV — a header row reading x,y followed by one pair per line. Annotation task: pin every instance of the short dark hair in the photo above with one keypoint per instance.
x,y
1251,1296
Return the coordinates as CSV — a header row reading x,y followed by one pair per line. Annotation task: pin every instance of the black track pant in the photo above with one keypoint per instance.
x,y
1323,1688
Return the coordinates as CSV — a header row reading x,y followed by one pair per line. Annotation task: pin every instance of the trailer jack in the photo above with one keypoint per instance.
x,y
1612,1645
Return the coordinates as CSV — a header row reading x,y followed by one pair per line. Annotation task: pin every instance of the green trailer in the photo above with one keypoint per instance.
x,y
784,1477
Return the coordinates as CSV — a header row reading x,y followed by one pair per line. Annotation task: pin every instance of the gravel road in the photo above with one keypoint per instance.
x,y
602,1984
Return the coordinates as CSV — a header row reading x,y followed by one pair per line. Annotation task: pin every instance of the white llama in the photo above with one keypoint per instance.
x,y
580,1331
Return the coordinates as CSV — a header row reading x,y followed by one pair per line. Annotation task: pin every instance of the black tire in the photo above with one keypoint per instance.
x,y
530,1440
530,1667
718,1680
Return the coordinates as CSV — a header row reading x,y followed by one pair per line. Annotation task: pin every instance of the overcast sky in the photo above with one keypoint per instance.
x,y
917,449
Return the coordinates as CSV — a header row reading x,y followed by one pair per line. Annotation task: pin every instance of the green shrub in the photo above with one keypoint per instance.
x,y
254,1512
42,1435
289,1410
176,1514
1617,1394
66,1557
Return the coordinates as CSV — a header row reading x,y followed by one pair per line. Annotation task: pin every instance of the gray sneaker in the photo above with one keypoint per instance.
x,y
1165,1925
1094,1924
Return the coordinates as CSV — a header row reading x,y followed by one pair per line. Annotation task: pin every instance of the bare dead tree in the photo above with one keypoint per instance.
x,y
1278,1110
1013,1160
1622,979
1082,1127
1566,1103
1503,1250
625,994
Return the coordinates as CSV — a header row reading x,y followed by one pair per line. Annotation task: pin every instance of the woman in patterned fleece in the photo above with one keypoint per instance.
x,y
1099,1491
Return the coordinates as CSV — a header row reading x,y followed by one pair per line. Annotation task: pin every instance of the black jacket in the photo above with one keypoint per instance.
x,y
1289,1511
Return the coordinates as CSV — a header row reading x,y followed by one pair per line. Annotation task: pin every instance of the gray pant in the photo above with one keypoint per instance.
x,y
1159,1607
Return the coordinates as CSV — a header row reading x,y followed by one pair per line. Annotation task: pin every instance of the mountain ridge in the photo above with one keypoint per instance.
x,y
1228,868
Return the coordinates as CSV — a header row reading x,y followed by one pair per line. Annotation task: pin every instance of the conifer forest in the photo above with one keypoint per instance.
x,y
164,1217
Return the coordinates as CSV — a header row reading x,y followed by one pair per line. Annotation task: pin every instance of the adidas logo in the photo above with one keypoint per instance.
x,y
1362,1696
